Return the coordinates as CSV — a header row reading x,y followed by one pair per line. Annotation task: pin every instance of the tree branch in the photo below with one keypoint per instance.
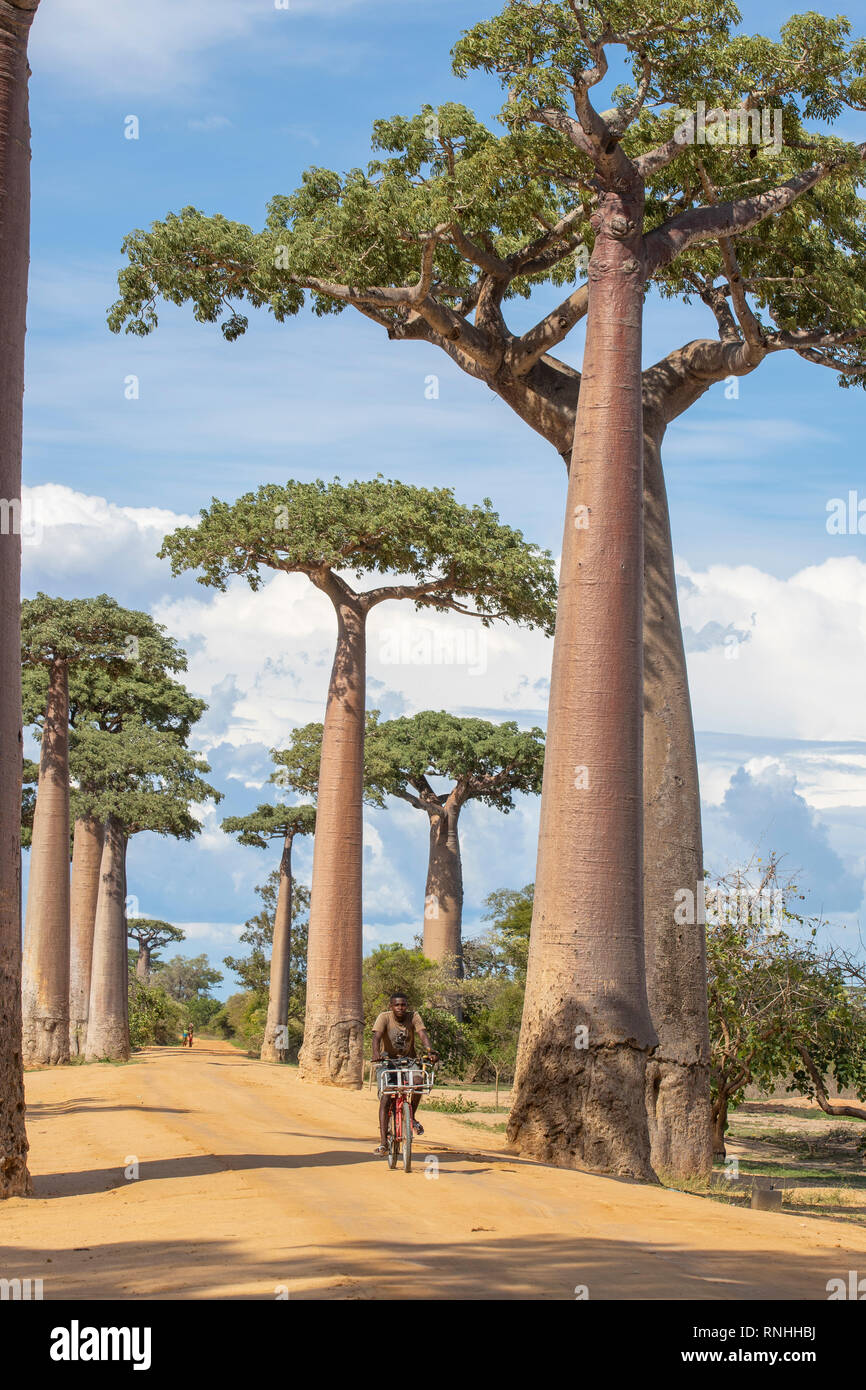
x,y
729,219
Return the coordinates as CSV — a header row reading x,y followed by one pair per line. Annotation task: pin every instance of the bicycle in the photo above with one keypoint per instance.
x,y
401,1078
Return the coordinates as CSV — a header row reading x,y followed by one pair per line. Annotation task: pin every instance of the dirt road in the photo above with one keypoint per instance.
x,y
190,1175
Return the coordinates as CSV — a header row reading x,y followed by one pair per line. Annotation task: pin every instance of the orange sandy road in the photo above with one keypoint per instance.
x,y
251,1185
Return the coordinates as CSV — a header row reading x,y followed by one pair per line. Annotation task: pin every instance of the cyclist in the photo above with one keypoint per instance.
x,y
394,1032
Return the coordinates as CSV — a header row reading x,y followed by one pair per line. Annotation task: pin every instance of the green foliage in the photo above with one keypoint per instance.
x,y
155,1019
143,776
510,911
133,676
153,934
201,1010
297,765
243,1018
30,777
394,969
186,978
94,630
779,1006
454,1105
487,762
254,969
268,822
414,238
450,551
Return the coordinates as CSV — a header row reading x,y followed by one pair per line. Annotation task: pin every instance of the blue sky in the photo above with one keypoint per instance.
x,y
234,98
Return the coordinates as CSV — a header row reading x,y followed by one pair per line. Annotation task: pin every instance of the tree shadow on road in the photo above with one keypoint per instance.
x,y
531,1267
54,1185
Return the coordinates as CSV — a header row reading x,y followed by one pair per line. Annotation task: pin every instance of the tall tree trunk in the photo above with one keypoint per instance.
x,y
142,964
108,1023
86,862
443,899
333,1049
15,21
45,990
678,1075
579,1092
275,1041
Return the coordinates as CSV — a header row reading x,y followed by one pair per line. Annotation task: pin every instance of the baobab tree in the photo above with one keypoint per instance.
x,y
409,757
433,240
129,674
587,1033
133,780
16,17
451,557
57,635
150,935
259,828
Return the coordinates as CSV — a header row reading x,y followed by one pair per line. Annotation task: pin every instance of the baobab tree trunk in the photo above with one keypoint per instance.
x,y
15,21
333,1048
108,1023
45,989
579,1093
678,1075
142,963
86,862
443,899
275,1041
678,1090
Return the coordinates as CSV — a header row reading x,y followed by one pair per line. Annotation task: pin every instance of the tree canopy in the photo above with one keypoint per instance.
x,y
91,630
269,822
486,762
143,777
187,978
432,238
153,933
449,551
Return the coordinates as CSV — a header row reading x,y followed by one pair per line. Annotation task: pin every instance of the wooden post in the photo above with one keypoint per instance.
x,y
496,1107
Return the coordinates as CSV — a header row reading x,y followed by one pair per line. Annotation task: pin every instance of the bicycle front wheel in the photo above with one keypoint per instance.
x,y
407,1137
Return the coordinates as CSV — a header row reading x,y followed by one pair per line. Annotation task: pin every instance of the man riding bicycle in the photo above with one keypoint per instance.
x,y
394,1033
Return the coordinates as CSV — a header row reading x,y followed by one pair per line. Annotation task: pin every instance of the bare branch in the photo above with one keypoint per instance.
x,y
549,331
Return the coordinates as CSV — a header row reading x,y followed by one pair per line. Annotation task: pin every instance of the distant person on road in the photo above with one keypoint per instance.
x,y
189,1030
185,1036
394,1033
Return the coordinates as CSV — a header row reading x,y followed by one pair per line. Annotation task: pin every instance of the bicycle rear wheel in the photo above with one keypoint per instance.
x,y
407,1137
392,1136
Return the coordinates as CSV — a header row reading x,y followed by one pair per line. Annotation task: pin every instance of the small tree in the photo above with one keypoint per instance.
x,y
187,978
151,935
259,828
452,558
510,911
780,1007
